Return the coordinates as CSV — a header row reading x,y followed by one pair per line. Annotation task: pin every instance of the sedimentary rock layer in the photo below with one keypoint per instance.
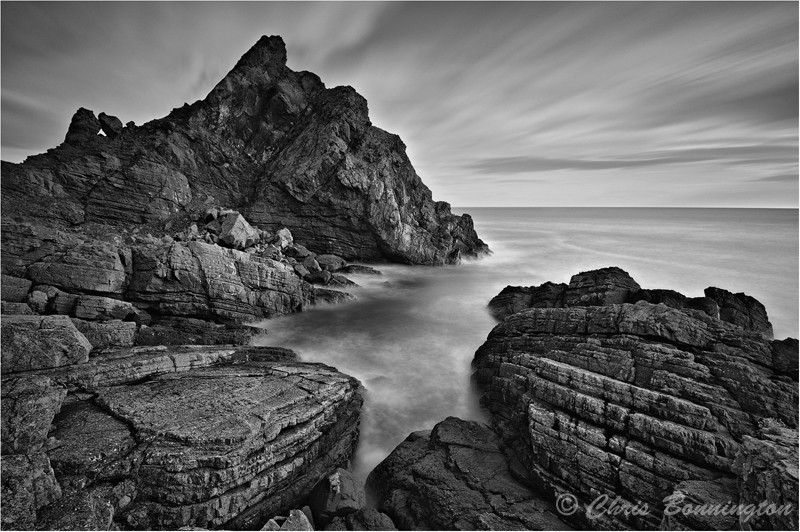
x,y
170,437
598,396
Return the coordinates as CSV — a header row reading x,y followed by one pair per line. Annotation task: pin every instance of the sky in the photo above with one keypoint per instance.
x,y
500,104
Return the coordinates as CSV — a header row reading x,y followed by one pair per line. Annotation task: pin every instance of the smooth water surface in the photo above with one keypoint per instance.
x,y
411,341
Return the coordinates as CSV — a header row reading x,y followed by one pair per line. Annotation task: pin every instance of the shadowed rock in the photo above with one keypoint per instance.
x,y
275,144
455,477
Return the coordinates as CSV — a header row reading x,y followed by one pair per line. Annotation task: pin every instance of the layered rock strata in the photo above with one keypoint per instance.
x,y
273,143
601,397
161,437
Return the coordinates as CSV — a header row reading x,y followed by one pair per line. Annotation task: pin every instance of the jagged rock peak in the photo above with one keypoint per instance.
x,y
268,50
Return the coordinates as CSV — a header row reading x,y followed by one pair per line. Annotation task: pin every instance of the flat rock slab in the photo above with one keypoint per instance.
x,y
221,440
36,342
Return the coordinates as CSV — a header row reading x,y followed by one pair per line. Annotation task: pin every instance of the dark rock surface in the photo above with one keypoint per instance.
x,y
613,285
363,519
270,142
600,396
14,289
456,477
337,495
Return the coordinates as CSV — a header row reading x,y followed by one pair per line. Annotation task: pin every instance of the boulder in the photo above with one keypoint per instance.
x,y
111,125
330,262
296,251
37,301
205,281
14,289
94,267
456,477
319,277
105,334
35,342
310,263
283,238
337,495
236,233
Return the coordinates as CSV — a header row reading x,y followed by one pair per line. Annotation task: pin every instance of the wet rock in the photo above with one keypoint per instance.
x,y
83,128
336,496
102,335
455,477
332,297
35,342
319,277
358,269
111,125
14,289
742,310
337,280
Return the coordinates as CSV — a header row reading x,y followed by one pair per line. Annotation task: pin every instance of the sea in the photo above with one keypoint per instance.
x,y
411,335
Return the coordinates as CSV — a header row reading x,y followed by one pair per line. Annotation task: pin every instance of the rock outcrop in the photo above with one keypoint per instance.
x,y
456,477
274,144
171,437
600,388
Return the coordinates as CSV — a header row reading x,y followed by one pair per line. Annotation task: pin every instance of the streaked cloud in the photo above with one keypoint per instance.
x,y
499,103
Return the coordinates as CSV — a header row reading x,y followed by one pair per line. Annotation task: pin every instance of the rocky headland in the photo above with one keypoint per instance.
x,y
133,260
613,407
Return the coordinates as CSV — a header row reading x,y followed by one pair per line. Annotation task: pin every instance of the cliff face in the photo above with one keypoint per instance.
x,y
274,144
601,388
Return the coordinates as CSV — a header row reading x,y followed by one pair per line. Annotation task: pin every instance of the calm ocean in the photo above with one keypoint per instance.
x,y
411,342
